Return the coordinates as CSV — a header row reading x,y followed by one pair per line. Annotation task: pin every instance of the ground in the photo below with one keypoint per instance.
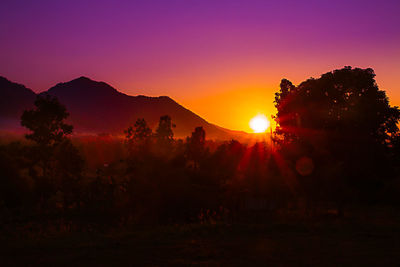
x,y
242,244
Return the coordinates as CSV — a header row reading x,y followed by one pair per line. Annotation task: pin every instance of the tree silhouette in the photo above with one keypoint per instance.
x,y
138,136
343,101
340,119
164,133
46,121
59,160
196,146
48,129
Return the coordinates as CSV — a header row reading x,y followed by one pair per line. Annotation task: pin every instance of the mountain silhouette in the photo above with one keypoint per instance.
x,y
14,99
96,107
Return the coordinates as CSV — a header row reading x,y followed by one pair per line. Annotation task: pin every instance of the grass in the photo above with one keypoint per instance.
x,y
267,244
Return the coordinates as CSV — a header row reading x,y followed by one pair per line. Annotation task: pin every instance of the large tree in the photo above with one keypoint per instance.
x,y
341,124
60,162
164,133
345,102
46,121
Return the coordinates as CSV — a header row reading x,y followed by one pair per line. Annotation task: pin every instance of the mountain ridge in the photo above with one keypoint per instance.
x,y
14,99
97,107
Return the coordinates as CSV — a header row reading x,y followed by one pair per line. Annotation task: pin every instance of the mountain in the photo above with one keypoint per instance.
x,y
96,107
14,99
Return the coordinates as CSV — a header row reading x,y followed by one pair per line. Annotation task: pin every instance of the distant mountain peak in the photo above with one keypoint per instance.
x,y
6,84
14,99
5,81
83,84
83,79
96,107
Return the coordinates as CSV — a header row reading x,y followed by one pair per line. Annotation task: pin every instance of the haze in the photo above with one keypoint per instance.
x,y
221,59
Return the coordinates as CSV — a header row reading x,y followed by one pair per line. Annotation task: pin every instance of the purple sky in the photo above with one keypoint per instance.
x,y
222,59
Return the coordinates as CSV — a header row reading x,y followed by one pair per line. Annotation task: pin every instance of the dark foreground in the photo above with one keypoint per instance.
x,y
331,243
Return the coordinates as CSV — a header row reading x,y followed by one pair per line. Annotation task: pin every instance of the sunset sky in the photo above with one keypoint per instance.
x,y
221,59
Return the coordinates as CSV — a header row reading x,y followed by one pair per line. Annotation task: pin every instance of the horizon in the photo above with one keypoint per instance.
x,y
222,60
200,132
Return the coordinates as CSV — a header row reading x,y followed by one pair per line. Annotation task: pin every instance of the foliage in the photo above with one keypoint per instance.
x,y
195,148
164,133
138,137
343,124
337,145
54,163
46,121
345,103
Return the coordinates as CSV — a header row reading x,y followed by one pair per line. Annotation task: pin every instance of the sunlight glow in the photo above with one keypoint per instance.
x,y
259,123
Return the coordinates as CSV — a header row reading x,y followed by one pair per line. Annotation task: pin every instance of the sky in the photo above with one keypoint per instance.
x,y
221,59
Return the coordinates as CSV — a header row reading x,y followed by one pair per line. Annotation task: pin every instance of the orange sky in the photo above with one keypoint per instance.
x,y
221,59
230,99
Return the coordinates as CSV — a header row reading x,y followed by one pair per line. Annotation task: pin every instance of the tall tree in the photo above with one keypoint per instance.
x,y
345,102
164,133
59,160
196,146
341,119
138,136
46,121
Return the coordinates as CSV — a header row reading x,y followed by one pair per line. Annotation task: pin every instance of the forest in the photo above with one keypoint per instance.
x,y
334,155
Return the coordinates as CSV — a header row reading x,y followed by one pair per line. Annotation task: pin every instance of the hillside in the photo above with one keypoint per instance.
x,y
14,99
96,107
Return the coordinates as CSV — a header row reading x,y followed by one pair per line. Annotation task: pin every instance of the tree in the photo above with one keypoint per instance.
x,y
48,129
342,116
164,133
46,121
196,146
138,136
343,101
59,160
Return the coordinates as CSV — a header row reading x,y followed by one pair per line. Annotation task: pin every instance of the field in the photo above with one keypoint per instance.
x,y
301,243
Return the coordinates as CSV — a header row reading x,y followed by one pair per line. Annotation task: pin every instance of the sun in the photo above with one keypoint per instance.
x,y
259,123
